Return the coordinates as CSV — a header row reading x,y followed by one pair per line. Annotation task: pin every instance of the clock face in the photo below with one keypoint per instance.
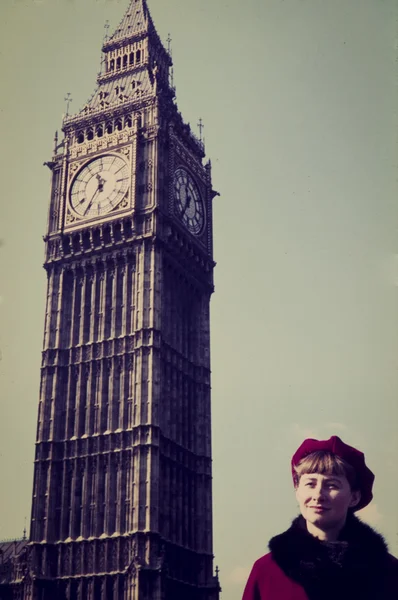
x,y
188,203
99,186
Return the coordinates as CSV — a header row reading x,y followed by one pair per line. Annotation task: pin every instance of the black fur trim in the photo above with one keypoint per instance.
x,y
354,567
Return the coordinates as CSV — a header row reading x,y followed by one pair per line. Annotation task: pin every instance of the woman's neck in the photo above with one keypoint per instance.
x,y
328,535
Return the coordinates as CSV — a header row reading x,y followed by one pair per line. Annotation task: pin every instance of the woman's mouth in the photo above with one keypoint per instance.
x,y
318,508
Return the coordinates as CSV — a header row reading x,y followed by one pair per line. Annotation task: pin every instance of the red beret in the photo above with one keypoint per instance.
x,y
351,455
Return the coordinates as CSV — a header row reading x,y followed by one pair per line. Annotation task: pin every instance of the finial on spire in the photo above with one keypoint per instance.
x,y
24,531
68,100
55,151
106,28
201,127
169,40
217,571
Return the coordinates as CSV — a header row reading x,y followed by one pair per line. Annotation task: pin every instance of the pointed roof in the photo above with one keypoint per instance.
x,y
136,20
128,83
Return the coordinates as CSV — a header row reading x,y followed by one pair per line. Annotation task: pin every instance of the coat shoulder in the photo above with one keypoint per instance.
x,y
393,561
267,581
393,565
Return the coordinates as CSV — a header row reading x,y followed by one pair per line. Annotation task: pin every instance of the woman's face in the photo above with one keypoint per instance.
x,y
325,499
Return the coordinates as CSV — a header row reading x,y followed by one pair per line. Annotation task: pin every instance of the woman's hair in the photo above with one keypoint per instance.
x,y
326,463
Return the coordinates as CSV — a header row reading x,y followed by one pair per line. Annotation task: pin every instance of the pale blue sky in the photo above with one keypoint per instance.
x,y
299,101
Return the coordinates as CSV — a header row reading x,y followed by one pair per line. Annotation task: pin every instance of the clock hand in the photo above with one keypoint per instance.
x,y
187,204
101,182
91,201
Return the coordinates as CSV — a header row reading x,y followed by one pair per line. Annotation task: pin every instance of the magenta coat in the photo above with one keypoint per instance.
x,y
300,567
267,581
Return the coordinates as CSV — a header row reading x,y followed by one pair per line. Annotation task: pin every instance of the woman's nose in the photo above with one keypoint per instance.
x,y
317,491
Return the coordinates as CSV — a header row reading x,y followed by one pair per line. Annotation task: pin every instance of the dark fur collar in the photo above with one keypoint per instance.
x,y
353,567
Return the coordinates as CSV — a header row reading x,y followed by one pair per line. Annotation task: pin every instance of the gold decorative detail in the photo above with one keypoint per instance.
x,y
126,151
70,218
73,168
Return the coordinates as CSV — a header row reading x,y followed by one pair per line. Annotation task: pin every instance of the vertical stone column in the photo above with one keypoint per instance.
x,y
120,494
115,276
93,313
117,393
97,398
72,520
49,306
89,398
59,302
124,305
107,377
98,526
106,496
84,528
83,302
69,333
35,533
78,309
107,276
42,402
82,415
64,532
53,306
101,291
122,400
91,530
80,376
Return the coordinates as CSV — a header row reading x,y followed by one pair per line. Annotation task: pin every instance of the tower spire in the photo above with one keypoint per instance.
x,y
135,64
137,19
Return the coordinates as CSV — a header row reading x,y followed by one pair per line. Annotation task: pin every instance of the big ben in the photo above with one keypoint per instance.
x,y
122,495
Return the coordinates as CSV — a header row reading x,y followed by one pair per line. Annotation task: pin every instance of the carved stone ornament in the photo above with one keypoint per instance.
x,y
69,218
125,151
72,169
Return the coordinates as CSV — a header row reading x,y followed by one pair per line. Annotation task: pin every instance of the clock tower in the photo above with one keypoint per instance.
x,y
122,496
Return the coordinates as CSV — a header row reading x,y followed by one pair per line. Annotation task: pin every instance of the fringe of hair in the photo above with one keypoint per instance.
x,y
325,463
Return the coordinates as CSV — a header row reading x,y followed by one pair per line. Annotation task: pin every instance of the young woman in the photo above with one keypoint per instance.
x,y
328,553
